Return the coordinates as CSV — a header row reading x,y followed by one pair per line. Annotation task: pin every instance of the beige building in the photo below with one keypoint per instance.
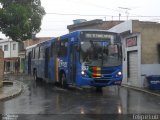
x,y
141,41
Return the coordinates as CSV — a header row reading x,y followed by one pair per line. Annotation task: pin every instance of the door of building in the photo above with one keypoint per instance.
x,y
132,67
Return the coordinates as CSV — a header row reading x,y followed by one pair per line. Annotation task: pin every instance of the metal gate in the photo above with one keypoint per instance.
x,y
132,67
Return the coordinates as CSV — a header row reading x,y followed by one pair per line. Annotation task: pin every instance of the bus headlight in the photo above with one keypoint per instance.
x,y
82,73
119,73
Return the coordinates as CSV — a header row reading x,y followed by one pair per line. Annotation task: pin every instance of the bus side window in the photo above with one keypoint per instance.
x,y
42,52
39,51
52,48
33,53
36,56
63,48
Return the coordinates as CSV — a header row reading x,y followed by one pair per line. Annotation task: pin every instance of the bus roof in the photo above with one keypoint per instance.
x,y
92,30
85,30
89,30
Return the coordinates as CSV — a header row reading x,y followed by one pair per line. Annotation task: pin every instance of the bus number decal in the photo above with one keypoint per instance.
x,y
84,68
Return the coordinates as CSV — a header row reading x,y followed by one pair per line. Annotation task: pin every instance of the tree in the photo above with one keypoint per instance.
x,y
19,19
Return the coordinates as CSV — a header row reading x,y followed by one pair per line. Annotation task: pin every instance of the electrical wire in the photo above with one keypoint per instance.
x,y
70,14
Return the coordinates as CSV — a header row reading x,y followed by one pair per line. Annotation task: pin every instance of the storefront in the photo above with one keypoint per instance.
x,y
132,60
11,65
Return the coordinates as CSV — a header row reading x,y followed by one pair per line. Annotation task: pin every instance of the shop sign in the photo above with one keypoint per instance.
x,y
132,41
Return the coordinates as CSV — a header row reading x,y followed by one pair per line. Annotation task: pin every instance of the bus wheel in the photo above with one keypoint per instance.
x,y
63,81
98,89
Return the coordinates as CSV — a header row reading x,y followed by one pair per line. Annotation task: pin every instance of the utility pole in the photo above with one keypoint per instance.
x,y
119,16
126,11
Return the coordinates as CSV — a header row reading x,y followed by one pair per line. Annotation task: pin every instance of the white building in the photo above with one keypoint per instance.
x,y
11,55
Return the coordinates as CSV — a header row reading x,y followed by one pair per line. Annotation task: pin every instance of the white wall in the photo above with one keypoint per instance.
x,y
10,52
2,36
150,69
138,83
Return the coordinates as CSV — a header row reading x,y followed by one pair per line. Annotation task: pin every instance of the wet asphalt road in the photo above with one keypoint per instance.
x,y
40,101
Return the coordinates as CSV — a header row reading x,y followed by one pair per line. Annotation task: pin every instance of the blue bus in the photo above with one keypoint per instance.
x,y
80,58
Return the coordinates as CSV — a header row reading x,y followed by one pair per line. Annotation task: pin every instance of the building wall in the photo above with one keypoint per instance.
x,y
10,52
136,81
10,55
150,39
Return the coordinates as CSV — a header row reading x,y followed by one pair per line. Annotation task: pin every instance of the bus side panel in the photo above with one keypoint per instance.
x,y
81,81
43,61
40,69
51,64
53,68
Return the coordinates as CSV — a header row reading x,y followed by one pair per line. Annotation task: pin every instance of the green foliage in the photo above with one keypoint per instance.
x,y
19,19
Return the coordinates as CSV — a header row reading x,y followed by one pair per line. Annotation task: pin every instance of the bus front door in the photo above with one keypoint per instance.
x,y
72,63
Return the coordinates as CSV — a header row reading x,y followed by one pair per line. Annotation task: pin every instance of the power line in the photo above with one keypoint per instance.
x,y
126,11
70,14
67,14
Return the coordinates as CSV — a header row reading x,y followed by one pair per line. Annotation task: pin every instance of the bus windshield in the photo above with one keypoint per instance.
x,y
100,53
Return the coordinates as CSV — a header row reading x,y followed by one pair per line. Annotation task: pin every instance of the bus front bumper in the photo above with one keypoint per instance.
x,y
105,82
100,82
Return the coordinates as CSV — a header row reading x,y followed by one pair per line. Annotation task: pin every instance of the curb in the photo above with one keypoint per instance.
x,y
14,92
142,90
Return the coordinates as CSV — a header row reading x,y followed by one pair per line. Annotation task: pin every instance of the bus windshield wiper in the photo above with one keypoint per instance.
x,y
94,48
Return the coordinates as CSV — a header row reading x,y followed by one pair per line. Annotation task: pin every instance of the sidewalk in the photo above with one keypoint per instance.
x,y
146,90
10,89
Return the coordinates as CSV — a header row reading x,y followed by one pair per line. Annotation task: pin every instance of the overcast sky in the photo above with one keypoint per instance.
x,y
61,13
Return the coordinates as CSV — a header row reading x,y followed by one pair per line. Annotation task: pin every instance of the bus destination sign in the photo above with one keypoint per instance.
x,y
97,35
103,36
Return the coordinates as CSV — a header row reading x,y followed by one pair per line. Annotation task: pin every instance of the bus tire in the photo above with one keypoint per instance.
x,y
63,81
98,89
